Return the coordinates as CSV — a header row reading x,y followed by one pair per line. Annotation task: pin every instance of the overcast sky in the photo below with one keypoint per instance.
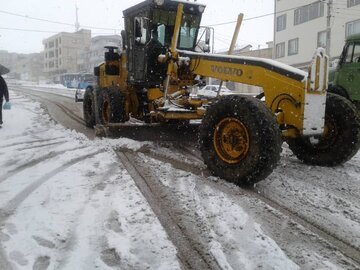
x,y
108,14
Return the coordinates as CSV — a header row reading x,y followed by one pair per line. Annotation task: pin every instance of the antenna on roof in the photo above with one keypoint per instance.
x,y
77,24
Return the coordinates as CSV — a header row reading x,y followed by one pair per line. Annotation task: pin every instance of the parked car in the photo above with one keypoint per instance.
x,y
80,90
210,91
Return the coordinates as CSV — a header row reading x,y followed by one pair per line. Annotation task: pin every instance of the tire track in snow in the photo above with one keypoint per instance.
x,y
35,162
41,145
190,163
101,184
189,256
344,247
11,206
30,142
25,134
63,108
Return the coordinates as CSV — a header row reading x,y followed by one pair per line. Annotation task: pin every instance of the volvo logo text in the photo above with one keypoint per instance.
x,y
227,70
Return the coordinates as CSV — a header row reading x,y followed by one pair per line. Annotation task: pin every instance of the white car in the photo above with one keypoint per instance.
x,y
80,90
210,91
79,94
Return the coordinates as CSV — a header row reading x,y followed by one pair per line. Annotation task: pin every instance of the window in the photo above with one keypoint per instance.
x,y
280,50
188,31
349,51
293,46
352,28
351,3
281,23
321,39
356,56
352,53
308,13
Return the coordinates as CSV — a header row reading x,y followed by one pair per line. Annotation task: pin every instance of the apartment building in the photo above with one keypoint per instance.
x,y
23,66
61,51
301,26
95,55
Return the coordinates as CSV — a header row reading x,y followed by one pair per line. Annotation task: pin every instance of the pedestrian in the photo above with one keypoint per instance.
x,y
3,93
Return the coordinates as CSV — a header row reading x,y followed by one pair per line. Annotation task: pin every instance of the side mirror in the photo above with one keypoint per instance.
x,y
207,36
139,30
206,48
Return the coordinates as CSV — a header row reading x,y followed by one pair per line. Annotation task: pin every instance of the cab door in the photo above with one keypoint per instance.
x,y
348,76
141,38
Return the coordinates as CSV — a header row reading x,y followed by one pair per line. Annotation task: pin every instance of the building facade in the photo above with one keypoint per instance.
x,y
301,26
23,66
62,52
95,55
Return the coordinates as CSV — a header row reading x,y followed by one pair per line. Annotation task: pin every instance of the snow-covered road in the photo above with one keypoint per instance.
x,y
67,202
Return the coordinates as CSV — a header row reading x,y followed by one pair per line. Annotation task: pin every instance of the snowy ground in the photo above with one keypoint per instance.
x,y
67,202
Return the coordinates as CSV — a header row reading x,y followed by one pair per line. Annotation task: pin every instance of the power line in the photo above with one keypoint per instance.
x,y
51,21
40,31
27,30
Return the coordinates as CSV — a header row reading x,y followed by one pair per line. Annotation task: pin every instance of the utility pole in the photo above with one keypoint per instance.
x,y
77,24
328,27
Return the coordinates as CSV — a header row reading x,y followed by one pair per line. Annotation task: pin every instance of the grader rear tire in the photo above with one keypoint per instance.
x,y
240,140
342,136
89,108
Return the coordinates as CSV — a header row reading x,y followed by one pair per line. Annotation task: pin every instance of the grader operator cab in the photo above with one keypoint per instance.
x,y
156,76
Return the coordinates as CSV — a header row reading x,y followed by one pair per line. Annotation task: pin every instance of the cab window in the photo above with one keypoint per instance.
x,y
349,53
356,57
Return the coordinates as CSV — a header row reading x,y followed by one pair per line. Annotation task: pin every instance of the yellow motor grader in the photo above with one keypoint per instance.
x,y
156,76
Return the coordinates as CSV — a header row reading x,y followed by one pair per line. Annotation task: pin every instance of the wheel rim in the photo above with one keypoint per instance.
x,y
231,140
106,111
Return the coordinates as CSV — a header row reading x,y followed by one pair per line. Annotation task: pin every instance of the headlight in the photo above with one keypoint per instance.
x,y
201,9
159,2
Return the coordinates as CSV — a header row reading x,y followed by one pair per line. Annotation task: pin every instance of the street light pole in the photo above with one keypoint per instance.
x,y
328,27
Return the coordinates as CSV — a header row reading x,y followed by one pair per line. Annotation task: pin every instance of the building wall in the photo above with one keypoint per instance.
x,y
97,50
23,66
307,32
28,67
61,51
8,59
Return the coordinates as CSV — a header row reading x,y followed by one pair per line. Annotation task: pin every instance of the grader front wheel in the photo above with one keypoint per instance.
x,y
240,140
89,107
111,106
